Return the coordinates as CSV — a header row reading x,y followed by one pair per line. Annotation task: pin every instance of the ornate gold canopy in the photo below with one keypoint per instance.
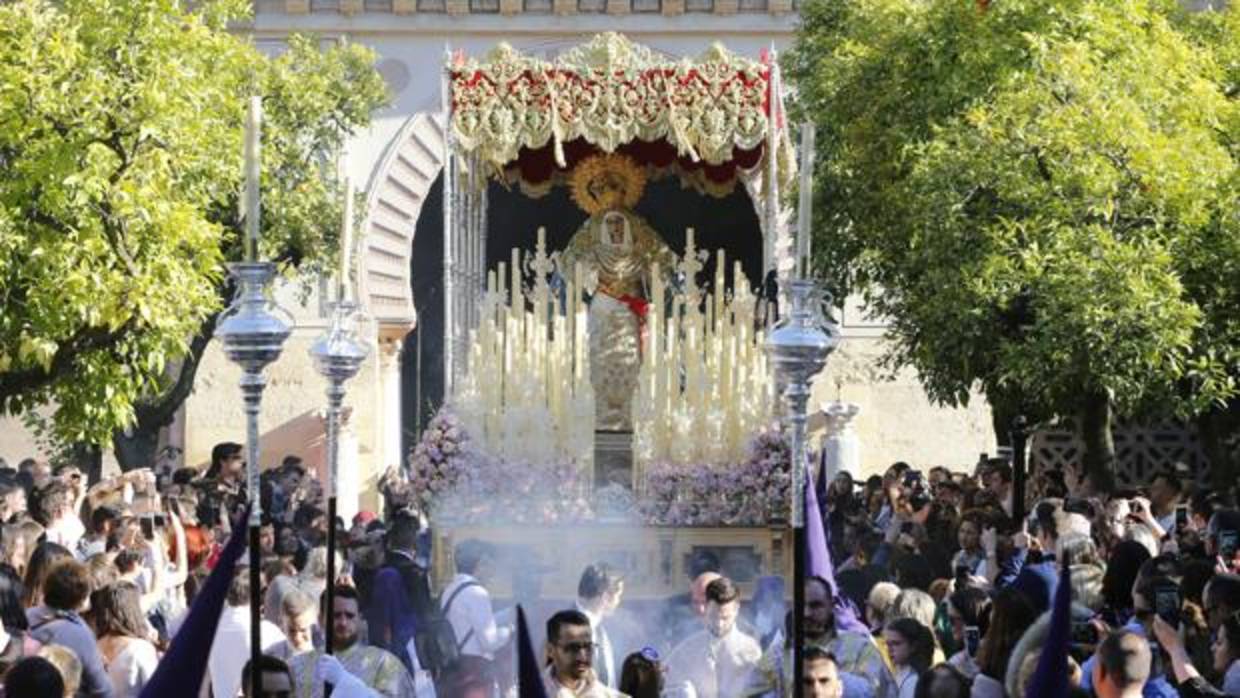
x,y
608,93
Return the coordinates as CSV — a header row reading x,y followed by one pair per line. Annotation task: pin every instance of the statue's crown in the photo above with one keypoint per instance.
x,y
607,181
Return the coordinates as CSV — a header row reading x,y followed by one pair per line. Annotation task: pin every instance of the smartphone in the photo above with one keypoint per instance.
x,y
1181,517
1167,604
1227,542
148,527
972,639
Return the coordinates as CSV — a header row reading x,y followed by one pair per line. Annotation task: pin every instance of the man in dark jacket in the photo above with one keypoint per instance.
x,y
400,594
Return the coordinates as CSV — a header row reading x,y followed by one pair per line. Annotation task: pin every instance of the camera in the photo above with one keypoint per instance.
x,y
919,493
1084,633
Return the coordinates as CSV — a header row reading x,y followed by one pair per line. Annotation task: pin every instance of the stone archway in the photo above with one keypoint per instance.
x,y
396,192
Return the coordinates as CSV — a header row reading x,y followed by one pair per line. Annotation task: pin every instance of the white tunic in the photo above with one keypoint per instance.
x,y
716,667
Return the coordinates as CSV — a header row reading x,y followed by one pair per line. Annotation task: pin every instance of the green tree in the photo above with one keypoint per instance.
x,y
1022,188
120,177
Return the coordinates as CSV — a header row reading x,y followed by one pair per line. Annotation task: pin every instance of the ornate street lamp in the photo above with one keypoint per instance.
x,y
798,346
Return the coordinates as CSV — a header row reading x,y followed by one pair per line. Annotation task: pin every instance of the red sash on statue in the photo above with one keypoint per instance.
x,y
639,307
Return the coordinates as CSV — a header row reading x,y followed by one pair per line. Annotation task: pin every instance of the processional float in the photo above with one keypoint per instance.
x,y
601,118
528,358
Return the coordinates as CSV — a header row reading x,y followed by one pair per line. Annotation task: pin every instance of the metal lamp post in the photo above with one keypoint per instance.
x,y
253,337
1020,438
338,355
798,346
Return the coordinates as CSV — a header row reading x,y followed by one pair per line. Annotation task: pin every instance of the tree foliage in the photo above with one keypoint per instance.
x,y
1039,194
120,175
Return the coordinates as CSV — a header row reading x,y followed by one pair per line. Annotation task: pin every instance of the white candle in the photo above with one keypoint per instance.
x,y
253,169
518,298
346,243
805,207
579,330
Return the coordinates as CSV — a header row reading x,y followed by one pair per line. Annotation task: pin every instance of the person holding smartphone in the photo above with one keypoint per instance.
x,y
1189,681
968,611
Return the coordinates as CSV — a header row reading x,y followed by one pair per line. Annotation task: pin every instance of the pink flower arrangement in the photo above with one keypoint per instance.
x,y
453,481
756,492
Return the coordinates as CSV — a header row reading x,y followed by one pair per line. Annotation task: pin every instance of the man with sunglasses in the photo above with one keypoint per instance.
x,y
570,651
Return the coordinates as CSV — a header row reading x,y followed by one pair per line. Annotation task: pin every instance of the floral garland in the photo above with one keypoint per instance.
x,y
753,493
610,92
456,483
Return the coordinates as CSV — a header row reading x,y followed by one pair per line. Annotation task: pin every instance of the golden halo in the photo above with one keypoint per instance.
x,y
607,181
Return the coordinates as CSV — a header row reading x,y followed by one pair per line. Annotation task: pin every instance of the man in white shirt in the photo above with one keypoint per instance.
x,y
231,648
598,596
467,606
720,660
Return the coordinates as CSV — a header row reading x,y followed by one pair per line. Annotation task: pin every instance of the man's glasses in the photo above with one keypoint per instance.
x,y
578,647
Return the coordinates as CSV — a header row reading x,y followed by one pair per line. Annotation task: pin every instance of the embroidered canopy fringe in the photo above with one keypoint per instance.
x,y
713,111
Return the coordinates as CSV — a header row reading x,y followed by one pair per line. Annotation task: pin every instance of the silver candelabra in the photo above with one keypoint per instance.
x,y
253,333
338,355
798,346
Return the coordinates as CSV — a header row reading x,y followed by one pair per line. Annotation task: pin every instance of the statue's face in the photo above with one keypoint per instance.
x,y
615,230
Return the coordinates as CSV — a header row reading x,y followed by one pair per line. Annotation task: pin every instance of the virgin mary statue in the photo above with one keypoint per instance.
x,y
617,250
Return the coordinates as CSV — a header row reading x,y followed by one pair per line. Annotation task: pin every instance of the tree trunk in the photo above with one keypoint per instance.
x,y
89,459
1003,412
1099,459
1213,429
137,446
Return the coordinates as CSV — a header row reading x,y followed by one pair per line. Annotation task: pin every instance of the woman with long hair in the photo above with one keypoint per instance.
x,y
641,676
45,556
1011,613
18,643
12,612
124,638
910,644
1124,563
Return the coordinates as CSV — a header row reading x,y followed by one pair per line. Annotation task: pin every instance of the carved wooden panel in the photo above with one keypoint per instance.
x,y
1142,449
